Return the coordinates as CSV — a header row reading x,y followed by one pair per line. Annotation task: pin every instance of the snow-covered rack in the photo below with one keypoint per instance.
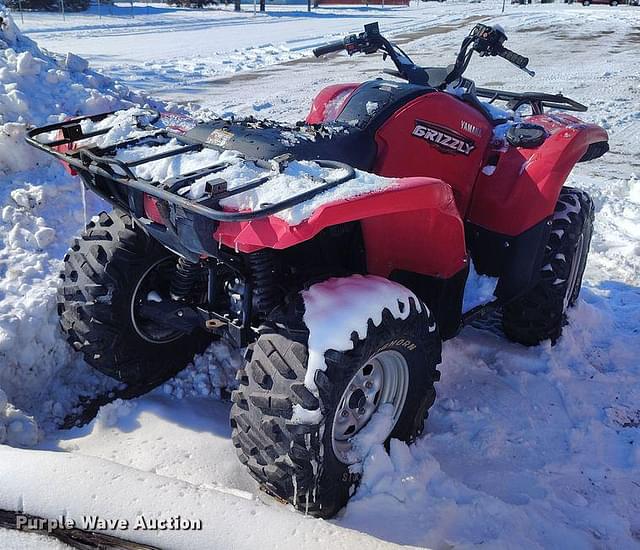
x,y
72,144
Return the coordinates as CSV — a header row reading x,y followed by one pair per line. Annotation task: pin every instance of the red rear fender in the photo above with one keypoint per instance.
x,y
413,226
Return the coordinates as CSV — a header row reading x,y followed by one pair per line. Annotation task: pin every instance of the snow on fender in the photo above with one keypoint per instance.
x,y
367,297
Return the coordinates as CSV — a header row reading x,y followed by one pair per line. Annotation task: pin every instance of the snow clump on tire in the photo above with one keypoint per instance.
x,y
368,297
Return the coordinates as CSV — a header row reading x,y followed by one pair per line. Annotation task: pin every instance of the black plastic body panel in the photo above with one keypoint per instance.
x,y
443,296
266,140
595,151
515,260
372,103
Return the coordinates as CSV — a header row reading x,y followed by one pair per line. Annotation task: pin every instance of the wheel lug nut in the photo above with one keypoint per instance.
x,y
368,384
344,414
361,411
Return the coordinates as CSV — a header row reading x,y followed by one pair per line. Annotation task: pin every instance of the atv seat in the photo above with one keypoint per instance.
x,y
349,139
266,140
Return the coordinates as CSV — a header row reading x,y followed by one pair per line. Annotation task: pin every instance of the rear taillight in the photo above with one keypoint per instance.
x,y
65,148
151,209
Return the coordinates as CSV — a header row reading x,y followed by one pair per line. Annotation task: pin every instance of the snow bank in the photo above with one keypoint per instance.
x,y
525,447
16,428
40,207
37,88
216,368
228,520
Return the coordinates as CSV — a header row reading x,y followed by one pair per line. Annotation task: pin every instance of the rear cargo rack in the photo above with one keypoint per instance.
x,y
101,161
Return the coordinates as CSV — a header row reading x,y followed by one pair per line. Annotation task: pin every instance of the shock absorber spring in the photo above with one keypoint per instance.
x,y
184,279
264,270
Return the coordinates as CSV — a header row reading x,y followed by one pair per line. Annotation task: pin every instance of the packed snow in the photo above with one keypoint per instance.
x,y
192,57
525,447
359,299
112,490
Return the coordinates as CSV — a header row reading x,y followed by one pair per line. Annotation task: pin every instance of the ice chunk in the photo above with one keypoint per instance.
x,y
26,65
75,63
45,236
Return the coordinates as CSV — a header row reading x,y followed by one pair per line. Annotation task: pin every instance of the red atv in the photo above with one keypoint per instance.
x,y
342,313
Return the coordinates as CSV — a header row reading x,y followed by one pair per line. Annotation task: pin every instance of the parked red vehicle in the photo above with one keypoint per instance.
x,y
343,313
612,3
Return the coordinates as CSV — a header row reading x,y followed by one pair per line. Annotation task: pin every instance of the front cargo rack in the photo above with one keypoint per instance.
x,y
102,162
536,100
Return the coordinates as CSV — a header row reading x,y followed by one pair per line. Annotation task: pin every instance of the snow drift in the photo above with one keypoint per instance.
x,y
39,202
235,520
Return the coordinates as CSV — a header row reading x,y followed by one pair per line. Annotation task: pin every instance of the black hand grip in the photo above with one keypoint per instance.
x,y
329,48
513,57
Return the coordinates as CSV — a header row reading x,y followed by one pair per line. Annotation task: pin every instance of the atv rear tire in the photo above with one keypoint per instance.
x,y
291,438
103,271
541,313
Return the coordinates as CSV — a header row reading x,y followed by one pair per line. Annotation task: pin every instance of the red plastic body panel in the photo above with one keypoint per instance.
x,y
401,154
329,102
525,185
399,226
417,224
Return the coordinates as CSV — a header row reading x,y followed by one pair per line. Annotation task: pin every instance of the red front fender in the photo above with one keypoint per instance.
x,y
524,188
328,104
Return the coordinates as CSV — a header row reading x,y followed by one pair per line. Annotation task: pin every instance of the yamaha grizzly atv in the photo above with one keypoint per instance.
x,y
342,312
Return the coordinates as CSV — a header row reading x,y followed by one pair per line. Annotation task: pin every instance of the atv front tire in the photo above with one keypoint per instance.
x,y
541,313
105,273
297,444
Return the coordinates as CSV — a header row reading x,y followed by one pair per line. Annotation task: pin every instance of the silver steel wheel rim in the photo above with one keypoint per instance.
x,y
573,272
148,330
383,379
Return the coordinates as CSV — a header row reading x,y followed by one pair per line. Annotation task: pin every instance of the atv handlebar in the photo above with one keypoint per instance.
x,y
518,60
513,57
371,41
483,39
329,48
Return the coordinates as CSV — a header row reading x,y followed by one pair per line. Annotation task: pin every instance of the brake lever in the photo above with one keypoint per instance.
x,y
528,71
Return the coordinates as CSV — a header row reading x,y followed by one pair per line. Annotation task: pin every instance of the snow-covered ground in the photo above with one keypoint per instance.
x,y
165,49
525,447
